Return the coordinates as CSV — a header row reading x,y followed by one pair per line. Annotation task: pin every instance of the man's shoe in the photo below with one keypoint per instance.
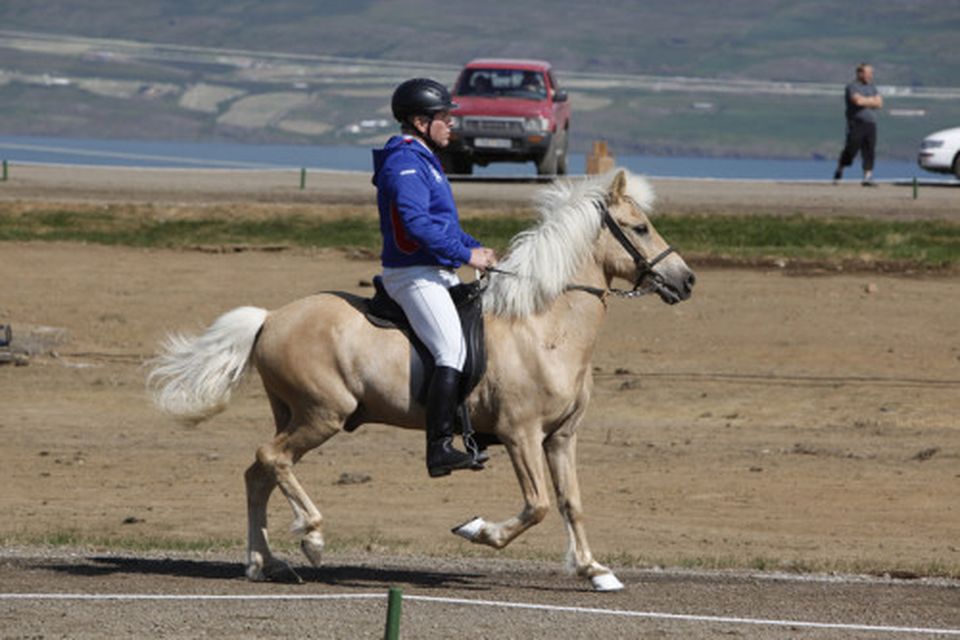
x,y
868,183
442,458
837,176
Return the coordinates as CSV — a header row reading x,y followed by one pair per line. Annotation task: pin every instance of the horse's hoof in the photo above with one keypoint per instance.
x,y
470,529
312,546
254,573
606,582
272,571
255,565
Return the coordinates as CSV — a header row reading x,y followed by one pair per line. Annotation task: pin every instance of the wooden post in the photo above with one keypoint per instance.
x,y
599,160
914,187
394,599
4,171
303,177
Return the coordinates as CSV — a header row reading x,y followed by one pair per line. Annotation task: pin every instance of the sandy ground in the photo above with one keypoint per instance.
x,y
772,421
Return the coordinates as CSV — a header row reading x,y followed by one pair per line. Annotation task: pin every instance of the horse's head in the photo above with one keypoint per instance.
x,y
633,250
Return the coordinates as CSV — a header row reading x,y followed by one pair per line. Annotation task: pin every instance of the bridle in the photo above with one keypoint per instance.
x,y
648,280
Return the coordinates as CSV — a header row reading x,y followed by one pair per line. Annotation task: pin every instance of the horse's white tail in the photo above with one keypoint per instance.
x,y
193,376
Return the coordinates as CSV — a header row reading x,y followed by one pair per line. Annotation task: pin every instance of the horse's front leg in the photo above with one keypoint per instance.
x,y
526,453
561,450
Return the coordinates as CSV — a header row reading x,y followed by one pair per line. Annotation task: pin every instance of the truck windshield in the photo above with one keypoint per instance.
x,y
513,83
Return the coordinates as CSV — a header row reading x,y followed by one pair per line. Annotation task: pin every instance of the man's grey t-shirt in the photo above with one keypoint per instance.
x,y
863,114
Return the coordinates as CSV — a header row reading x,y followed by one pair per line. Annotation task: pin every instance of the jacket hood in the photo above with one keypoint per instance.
x,y
397,144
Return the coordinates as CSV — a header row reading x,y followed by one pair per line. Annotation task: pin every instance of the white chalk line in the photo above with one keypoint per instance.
x,y
653,615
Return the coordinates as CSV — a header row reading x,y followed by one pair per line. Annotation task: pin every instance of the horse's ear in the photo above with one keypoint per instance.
x,y
618,188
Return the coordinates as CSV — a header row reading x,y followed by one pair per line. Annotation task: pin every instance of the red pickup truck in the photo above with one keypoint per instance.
x,y
510,111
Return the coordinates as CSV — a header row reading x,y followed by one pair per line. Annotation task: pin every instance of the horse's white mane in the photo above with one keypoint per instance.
x,y
546,257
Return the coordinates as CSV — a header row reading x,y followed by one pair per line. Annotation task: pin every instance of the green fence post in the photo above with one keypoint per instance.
x,y
4,171
394,599
303,177
914,187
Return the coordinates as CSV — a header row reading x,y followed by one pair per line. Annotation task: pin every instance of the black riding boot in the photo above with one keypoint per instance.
x,y
442,458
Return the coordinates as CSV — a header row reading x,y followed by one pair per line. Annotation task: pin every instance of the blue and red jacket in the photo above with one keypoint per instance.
x,y
418,217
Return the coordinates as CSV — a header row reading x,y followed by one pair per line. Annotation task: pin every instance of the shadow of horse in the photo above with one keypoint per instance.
x,y
351,576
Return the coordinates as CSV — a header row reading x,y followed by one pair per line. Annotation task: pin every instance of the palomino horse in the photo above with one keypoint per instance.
x,y
326,368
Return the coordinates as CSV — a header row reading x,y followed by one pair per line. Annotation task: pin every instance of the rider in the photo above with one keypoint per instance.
x,y
423,244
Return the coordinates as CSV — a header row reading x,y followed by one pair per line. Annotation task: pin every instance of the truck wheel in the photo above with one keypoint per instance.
x,y
956,166
457,164
463,166
562,158
547,165
554,161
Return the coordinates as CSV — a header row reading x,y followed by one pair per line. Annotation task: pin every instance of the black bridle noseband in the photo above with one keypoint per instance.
x,y
647,280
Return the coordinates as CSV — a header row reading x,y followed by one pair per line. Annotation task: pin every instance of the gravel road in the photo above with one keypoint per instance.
x,y
101,595
281,188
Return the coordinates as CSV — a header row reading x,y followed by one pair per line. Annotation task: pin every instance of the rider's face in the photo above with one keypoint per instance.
x,y
436,129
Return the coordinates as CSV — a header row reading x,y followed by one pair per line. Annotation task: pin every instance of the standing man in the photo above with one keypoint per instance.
x,y
862,100
423,244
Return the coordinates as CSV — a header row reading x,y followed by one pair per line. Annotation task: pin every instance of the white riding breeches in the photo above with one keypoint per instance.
x,y
422,293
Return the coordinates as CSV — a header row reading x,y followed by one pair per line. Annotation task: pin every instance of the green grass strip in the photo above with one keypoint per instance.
x,y
104,228
926,242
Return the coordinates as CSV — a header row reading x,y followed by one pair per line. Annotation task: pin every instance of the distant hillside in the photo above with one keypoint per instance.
x,y
762,79
911,42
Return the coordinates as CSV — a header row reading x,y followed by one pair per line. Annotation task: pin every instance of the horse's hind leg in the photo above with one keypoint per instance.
x,y
273,467
260,481
261,564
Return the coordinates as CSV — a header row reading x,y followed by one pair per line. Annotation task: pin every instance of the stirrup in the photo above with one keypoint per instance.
x,y
470,444
446,469
467,461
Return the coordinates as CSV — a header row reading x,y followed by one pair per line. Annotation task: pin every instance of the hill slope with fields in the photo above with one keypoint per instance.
x,y
762,79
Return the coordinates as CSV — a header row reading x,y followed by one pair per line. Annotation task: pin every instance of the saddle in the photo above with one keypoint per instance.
x,y
384,312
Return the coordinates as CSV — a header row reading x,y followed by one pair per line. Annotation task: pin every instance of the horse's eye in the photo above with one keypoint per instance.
x,y
641,229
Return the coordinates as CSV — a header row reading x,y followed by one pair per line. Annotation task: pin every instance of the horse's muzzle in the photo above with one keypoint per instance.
x,y
674,290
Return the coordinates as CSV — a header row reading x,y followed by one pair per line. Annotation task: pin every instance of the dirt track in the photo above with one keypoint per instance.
x,y
774,420
189,596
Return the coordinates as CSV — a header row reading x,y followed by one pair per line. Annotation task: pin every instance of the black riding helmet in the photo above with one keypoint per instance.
x,y
420,96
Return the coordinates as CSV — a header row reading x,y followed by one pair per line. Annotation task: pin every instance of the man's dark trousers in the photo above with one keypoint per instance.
x,y
862,138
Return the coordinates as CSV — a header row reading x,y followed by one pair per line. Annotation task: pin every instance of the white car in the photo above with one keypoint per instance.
x,y
940,152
